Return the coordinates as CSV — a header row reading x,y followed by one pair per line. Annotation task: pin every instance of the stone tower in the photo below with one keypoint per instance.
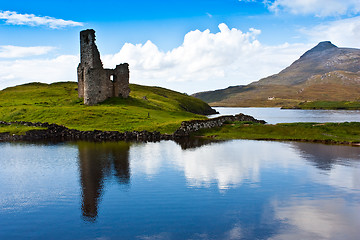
x,y
96,84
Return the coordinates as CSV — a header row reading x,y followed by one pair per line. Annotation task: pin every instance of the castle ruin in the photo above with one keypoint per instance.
x,y
96,84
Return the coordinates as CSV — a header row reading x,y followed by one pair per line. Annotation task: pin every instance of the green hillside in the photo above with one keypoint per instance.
x,y
147,108
218,95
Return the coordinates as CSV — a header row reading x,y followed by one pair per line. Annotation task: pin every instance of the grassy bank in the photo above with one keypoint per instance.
x,y
147,108
313,132
17,129
329,105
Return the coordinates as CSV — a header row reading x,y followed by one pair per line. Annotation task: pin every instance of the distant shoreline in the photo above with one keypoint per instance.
x,y
309,105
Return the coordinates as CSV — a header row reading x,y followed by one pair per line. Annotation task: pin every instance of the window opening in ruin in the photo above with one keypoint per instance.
x,y
86,39
112,77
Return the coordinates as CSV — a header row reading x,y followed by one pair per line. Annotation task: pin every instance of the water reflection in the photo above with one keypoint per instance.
x,y
189,143
230,163
317,219
226,164
205,163
326,156
277,115
254,190
98,161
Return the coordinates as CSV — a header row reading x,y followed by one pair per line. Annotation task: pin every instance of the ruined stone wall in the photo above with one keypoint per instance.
x,y
96,84
121,81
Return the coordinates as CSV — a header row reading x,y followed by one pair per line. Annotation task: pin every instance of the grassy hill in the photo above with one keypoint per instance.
x,y
147,108
324,73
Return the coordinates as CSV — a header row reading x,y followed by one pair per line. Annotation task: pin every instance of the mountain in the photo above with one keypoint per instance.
x,y
323,73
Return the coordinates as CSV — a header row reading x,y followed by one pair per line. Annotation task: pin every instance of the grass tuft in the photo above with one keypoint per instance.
x,y
17,129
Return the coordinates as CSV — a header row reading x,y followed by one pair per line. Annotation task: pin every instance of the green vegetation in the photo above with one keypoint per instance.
x,y
147,108
317,132
17,129
343,105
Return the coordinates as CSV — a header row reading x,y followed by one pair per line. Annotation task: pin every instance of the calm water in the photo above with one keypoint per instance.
x,y
191,190
277,115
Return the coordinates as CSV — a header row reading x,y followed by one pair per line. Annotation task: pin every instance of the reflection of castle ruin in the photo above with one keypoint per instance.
x,y
96,84
98,161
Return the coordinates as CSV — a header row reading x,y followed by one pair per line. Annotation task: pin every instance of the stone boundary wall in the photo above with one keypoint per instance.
x,y
56,132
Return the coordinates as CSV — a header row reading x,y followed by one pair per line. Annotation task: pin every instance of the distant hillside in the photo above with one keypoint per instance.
x,y
325,72
147,108
323,58
218,95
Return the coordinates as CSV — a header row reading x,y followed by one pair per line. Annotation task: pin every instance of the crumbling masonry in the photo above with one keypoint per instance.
x,y
96,84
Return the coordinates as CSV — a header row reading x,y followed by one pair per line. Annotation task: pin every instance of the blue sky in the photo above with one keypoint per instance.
x,y
185,45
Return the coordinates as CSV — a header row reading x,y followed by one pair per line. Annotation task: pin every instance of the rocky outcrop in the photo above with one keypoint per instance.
x,y
54,132
187,127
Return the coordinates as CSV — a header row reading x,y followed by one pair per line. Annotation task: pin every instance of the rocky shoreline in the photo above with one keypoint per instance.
x,y
54,132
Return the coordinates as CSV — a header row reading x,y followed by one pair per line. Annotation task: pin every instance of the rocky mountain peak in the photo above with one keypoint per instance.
x,y
322,46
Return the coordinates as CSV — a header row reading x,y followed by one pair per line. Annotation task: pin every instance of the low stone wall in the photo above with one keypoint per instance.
x,y
56,132
188,127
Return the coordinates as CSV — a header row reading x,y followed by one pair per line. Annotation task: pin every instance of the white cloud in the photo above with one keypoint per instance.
x,y
62,68
15,18
343,33
320,8
206,60
10,51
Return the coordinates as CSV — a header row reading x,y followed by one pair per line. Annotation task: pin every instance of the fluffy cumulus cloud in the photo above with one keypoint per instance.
x,y
344,33
10,51
206,60
20,71
320,8
14,18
